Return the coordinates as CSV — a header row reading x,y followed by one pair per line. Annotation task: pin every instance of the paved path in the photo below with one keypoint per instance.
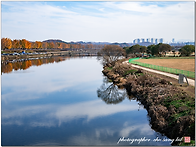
x,y
190,81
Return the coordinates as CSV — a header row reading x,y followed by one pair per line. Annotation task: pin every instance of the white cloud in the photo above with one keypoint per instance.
x,y
106,21
56,114
49,82
90,110
130,129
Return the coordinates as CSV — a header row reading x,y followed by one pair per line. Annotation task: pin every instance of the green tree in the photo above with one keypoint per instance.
x,y
158,49
155,50
143,49
133,49
187,50
149,49
163,48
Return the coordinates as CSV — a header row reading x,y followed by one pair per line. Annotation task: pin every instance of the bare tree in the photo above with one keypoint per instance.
x,y
110,54
111,94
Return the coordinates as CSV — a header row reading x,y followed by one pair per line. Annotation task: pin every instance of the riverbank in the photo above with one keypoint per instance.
x,y
171,109
50,53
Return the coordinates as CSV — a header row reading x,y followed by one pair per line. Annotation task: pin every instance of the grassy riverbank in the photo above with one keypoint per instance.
x,y
177,63
174,66
171,109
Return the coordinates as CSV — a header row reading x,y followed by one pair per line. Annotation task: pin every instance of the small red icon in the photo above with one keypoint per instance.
x,y
187,139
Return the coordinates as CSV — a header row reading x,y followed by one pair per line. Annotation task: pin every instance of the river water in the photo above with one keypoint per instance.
x,y
68,101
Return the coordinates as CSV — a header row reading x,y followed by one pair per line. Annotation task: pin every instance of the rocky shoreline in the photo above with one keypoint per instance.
x,y
171,110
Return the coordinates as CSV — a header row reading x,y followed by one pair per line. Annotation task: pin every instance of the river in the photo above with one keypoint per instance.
x,y
68,101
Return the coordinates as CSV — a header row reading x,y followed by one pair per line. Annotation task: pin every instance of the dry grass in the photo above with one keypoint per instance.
x,y
183,64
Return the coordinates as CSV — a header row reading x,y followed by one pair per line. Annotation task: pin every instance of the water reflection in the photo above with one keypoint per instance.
x,y
111,94
7,67
56,114
57,104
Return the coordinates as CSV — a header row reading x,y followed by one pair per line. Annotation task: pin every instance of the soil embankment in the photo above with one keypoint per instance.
x,y
171,109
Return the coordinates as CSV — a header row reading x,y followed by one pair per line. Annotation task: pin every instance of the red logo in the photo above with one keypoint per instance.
x,y
187,139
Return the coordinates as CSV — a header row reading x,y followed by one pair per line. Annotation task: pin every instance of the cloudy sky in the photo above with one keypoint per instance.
x,y
97,21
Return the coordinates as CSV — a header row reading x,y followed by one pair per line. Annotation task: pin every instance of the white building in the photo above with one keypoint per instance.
x,y
134,41
152,40
161,40
156,41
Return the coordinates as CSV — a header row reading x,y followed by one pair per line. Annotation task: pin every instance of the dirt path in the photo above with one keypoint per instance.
x,y
190,81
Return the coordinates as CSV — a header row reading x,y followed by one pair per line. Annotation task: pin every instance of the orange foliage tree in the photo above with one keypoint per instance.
x,y
6,43
25,44
38,44
44,45
16,44
50,45
33,45
28,45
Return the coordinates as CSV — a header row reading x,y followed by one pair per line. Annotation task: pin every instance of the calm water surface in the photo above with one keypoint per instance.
x,y
69,102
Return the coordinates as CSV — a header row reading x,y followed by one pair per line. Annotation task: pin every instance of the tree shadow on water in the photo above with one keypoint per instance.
x,y
110,93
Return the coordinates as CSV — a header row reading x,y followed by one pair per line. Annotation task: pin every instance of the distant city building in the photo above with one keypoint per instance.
x,y
161,40
156,41
148,41
152,40
134,41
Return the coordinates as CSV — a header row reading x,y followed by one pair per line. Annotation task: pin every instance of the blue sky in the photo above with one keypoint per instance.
x,y
97,21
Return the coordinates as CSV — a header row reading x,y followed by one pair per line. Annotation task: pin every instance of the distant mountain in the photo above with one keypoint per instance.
x,y
121,44
54,40
83,43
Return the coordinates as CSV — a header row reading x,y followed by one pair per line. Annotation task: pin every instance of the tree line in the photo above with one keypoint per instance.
x,y
7,43
112,53
159,49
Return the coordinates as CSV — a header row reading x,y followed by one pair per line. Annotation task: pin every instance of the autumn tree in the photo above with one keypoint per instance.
x,y
50,45
6,43
33,45
25,44
28,45
110,54
16,44
38,44
44,45
56,45
67,45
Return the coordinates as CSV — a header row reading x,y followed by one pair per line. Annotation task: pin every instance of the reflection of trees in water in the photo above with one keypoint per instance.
x,y
111,94
8,67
